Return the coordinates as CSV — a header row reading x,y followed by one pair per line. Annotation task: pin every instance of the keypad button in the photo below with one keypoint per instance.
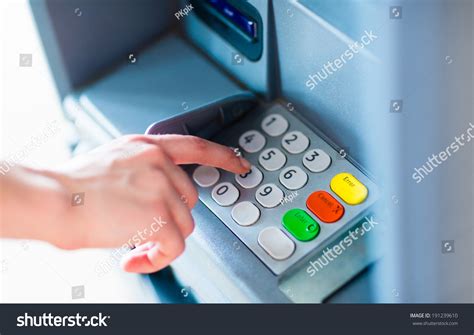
x,y
274,125
225,194
302,226
272,159
276,243
316,160
269,195
251,179
295,142
252,141
206,176
325,206
245,213
349,188
293,178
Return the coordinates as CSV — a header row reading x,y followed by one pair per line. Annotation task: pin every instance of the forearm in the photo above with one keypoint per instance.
x,y
32,206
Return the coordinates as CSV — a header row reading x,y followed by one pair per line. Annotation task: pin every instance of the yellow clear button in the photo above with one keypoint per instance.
x,y
349,188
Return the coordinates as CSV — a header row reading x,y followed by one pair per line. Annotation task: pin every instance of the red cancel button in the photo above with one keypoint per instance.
x,y
325,206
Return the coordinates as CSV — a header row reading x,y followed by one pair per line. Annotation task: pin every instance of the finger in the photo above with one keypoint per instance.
x,y
178,177
178,210
180,180
152,257
142,247
181,214
183,149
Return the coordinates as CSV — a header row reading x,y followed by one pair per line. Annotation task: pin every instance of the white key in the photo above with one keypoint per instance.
x,y
245,213
272,159
276,243
225,194
316,160
295,142
206,176
293,178
251,179
274,125
269,195
252,141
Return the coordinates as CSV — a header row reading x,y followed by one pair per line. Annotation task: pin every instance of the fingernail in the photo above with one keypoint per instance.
x,y
245,163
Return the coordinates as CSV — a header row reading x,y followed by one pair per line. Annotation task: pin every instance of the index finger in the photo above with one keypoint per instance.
x,y
186,149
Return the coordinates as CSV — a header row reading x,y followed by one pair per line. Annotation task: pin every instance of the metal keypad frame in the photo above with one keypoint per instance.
x,y
273,216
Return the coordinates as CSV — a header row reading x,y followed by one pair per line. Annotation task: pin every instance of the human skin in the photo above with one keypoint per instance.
x,y
127,184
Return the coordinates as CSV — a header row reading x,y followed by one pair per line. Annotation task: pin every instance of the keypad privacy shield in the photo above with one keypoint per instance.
x,y
299,195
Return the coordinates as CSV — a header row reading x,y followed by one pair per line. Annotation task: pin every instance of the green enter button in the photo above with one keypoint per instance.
x,y
302,226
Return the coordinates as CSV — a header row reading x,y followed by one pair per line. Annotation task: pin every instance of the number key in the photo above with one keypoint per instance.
x,y
252,141
295,142
206,176
225,194
316,160
274,125
272,159
269,195
250,179
293,178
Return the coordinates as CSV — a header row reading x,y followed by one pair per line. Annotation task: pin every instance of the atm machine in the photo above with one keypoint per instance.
x,y
307,222
239,73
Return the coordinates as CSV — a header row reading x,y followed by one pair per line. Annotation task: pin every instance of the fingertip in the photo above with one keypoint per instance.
x,y
126,264
245,164
238,165
240,169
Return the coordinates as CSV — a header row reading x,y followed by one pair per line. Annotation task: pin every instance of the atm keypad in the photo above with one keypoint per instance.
x,y
298,194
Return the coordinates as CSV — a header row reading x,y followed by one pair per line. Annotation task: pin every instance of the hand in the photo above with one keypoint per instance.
x,y
135,194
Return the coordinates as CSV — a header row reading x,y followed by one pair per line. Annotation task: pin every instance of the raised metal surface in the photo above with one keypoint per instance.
x,y
272,217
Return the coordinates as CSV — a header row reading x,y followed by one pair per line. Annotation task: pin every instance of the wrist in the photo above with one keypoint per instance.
x,y
31,202
64,221
36,204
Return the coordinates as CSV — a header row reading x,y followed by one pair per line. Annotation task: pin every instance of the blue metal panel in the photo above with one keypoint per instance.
x,y
168,79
